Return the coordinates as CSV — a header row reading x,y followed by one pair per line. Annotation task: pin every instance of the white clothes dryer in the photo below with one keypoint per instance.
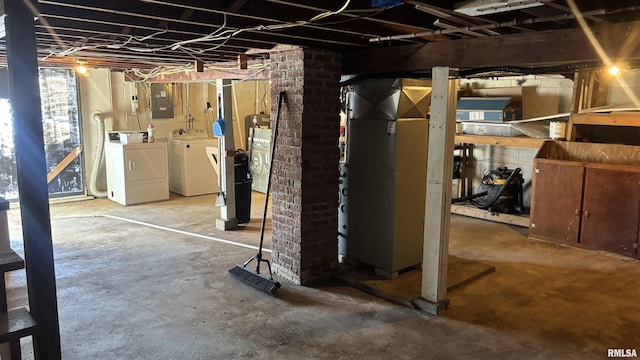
x,y
190,171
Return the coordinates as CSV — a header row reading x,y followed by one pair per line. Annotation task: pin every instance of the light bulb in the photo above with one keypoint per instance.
x,y
81,69
614,70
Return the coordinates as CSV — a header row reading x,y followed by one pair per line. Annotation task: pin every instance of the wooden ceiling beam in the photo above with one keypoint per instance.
x,y
256,70
619,41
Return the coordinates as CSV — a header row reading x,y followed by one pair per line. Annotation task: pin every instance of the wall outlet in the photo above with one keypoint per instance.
x,y
134,105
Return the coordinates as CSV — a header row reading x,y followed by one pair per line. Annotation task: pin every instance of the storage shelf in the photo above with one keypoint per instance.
x,y
16,324
472,211
609,119
10,261
500,140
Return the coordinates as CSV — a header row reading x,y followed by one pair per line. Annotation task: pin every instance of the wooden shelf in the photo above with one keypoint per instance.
x,y
519,141
609,119
472,211
16,324
10,261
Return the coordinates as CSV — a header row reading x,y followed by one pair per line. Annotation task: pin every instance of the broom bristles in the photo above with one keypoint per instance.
x,y
257,281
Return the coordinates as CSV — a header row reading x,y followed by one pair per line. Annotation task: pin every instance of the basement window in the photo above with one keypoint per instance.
x,y
62,135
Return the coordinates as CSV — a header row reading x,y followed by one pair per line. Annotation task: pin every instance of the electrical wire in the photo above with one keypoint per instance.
x,y
143,76
375,13
264,97
138,117
221,34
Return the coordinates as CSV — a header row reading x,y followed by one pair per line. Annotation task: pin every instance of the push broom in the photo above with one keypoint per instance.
x,y
254,278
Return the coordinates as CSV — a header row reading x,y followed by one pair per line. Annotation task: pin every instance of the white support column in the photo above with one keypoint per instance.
x,y
227,220
442,126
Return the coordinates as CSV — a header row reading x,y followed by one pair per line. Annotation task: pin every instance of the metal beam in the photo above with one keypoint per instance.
x,y
451,15
32,175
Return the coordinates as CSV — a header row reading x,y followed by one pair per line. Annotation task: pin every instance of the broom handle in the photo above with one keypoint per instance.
x,y
266,196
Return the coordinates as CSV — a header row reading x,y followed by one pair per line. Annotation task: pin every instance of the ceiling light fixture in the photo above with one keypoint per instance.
x,y
81,68
614,70
486,7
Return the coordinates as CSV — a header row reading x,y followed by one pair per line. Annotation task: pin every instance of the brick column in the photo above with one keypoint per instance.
x,y
305,173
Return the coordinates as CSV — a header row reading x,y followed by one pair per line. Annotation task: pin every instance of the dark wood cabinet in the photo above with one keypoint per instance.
x,y
556,201
611,209
586,204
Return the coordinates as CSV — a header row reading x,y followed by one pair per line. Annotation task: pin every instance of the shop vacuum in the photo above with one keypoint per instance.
x,y
501,192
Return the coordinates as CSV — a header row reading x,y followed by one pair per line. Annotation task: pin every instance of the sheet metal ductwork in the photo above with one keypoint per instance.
x,y
387,157
390,99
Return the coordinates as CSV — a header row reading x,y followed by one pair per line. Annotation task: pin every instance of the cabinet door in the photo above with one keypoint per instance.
x,y
556,201
611,209
145,163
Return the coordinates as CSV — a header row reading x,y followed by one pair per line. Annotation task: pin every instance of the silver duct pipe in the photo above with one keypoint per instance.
x,y
503,24
97,159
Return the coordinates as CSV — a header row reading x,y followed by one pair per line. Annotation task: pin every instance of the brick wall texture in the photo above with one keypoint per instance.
x,y
304,183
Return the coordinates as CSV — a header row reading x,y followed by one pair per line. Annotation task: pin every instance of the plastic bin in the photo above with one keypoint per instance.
x,y
243,201
241,166
243,182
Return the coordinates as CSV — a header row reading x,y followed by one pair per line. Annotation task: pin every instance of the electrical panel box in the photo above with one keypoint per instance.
x,y
161,101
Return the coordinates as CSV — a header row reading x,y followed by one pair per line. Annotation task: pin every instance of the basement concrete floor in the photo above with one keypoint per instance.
x,y
130,291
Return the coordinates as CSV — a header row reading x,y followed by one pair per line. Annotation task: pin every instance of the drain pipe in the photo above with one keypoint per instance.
x,y
97,159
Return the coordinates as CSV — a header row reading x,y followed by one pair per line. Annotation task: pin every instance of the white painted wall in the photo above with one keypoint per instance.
x,y
107,91
95,96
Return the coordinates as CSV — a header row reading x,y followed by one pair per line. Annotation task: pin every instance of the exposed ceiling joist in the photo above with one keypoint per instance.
x,y
149,33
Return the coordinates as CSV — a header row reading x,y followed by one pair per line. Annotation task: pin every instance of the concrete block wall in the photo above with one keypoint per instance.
x,y
541,96
487,157
305,179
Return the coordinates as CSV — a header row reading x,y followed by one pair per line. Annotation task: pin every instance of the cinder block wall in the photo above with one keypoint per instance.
x,y
487,157
541,95
305,178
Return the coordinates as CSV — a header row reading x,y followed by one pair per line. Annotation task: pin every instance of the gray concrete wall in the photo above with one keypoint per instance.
x,y
487,157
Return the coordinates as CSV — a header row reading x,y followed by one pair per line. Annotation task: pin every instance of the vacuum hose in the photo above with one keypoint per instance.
x,y
97,159
470,197
496,197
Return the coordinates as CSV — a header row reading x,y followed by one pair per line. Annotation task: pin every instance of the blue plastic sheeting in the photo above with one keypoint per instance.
x,y
386,3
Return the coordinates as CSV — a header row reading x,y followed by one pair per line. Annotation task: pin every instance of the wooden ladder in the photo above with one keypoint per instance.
x,y
14,324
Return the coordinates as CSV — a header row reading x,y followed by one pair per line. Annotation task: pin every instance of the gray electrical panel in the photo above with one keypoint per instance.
x,y
161,101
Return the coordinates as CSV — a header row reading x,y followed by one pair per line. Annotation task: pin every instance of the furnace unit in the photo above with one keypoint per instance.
x,y
387,160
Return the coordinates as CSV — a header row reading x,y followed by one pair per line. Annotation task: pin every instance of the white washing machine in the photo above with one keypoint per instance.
x,y
190,171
